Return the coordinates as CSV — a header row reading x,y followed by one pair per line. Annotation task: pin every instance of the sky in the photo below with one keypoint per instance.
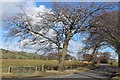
x,y
61,0
9,8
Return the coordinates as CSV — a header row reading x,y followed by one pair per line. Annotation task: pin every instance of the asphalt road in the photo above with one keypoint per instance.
x,y
102,72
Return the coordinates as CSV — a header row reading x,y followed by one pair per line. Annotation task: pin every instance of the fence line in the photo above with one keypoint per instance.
x,y
39,68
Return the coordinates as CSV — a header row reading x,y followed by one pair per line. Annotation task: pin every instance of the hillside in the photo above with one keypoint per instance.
x,y
6,54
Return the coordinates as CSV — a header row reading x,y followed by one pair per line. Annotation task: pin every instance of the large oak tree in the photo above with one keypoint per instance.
x,y
65,20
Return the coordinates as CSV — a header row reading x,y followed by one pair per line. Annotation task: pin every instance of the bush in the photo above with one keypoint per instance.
x,y
104,61
116,78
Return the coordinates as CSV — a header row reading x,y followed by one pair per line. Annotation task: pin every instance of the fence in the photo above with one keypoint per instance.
x,y
39,68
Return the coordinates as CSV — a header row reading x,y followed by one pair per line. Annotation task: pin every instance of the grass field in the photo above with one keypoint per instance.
x,y
6,54
16,62
20,59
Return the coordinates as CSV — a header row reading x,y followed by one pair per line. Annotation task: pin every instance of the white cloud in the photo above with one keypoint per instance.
x,y
11,46
12,0
9,8
31,9
74,46
77,0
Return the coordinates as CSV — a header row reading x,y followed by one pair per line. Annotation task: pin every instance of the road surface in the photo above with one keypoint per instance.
x,y
102,72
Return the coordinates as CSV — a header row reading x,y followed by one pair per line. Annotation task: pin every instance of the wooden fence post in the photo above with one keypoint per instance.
x,y
9,69
66,67
52,68
36,69
70,67
43,68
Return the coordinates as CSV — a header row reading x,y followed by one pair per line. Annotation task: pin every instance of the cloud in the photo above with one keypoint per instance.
x,y
32,11
77,0
8,7
11,8
74,46
12,0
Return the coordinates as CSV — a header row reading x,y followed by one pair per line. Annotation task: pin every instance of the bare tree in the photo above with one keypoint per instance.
x,y
104,57
65,20
105,31
87,57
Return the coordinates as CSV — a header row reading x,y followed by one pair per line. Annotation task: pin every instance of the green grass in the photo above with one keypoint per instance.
x,y
16,62
6,54
20,59
19,63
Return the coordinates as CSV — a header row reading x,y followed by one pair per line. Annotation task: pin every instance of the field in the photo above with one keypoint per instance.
x,y
16,62
22,59
6,54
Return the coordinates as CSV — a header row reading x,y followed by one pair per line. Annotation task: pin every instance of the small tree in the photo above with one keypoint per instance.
x,y
87,57
105,31
104,57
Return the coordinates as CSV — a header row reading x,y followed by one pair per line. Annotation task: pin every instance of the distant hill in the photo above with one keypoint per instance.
x,y
6,54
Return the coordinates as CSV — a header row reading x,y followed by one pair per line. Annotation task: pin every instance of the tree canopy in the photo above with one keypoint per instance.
x,y
105,31
54,28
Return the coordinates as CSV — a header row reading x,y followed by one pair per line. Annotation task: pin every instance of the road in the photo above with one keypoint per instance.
x,y
102,72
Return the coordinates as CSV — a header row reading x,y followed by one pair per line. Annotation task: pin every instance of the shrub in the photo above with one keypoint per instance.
x,y
104,61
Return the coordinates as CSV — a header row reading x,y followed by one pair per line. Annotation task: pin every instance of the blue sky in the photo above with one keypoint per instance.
x,y
47,4
1,37
61,0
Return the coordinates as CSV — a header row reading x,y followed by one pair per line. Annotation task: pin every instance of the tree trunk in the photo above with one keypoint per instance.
x,y
118,69
59,55
119,60
118,52
62,59
94,61
64,52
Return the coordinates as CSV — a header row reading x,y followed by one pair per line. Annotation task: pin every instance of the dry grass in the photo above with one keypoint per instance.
x,y
116,78
16,62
